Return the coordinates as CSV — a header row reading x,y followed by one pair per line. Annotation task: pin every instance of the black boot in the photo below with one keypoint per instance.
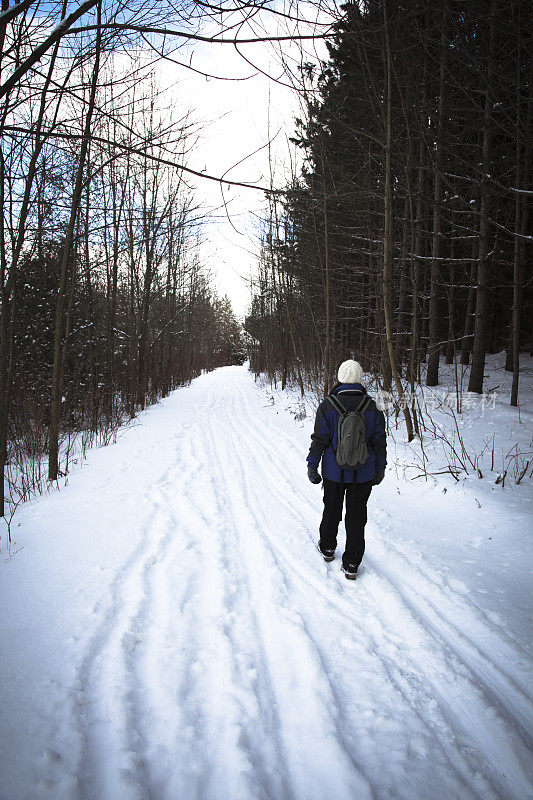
x,y
327,552
350,570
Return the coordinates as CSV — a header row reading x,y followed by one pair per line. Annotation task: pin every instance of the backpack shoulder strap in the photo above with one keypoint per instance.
x,y
336,403
362,407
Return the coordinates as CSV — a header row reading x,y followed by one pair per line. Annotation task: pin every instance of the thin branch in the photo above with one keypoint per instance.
x,y
124,26
59,31
156,159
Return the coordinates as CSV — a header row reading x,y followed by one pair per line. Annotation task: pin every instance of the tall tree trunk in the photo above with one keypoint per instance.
x,y
403,299
95,395
5,338
432,378
468,332
451,346
327,296
66,256
523,173
388,232
477,369
416,240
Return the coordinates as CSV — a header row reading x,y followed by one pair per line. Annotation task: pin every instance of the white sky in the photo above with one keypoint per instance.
x,y
238,116
238,122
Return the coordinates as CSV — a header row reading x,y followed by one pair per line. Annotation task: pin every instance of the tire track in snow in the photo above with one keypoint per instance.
x,y
178,665
132,757
247,602
498,731
249,739
222,756
348,612
417,701
470,652
508,684
470,725
464,705
166,650
110,765
316,785
502,688
168,662
265,688
508,702
146,646
512,650
117,642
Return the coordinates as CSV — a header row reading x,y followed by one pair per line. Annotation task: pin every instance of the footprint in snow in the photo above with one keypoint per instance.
x,y
51,756
458,586
129,640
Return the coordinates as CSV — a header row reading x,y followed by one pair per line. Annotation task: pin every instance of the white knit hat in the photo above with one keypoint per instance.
x,y
350,372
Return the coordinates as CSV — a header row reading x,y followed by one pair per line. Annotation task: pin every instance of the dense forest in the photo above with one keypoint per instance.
x,y
105,303
406,239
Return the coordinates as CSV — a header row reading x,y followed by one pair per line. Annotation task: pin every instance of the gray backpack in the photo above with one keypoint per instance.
x,y
352,452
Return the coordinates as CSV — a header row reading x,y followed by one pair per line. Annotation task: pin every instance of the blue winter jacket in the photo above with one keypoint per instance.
x,y
324,437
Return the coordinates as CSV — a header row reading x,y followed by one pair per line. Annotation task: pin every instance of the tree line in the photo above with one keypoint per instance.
x,y
105,303
406,238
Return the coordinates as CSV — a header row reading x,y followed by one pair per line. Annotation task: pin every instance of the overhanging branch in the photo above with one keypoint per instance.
x,y
59,31
150,157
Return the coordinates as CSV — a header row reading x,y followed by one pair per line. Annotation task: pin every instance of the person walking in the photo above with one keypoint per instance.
x,y
351,466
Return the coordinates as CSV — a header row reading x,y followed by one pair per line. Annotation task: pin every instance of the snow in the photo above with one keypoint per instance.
x,y
169,630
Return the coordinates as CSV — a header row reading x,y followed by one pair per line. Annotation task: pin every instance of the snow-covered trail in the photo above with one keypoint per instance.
x,y
222,658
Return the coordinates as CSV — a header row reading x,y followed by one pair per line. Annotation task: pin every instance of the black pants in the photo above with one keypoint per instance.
x,y
357,495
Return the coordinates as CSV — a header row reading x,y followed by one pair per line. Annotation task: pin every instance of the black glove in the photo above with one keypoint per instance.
x,y
380,474
312,474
